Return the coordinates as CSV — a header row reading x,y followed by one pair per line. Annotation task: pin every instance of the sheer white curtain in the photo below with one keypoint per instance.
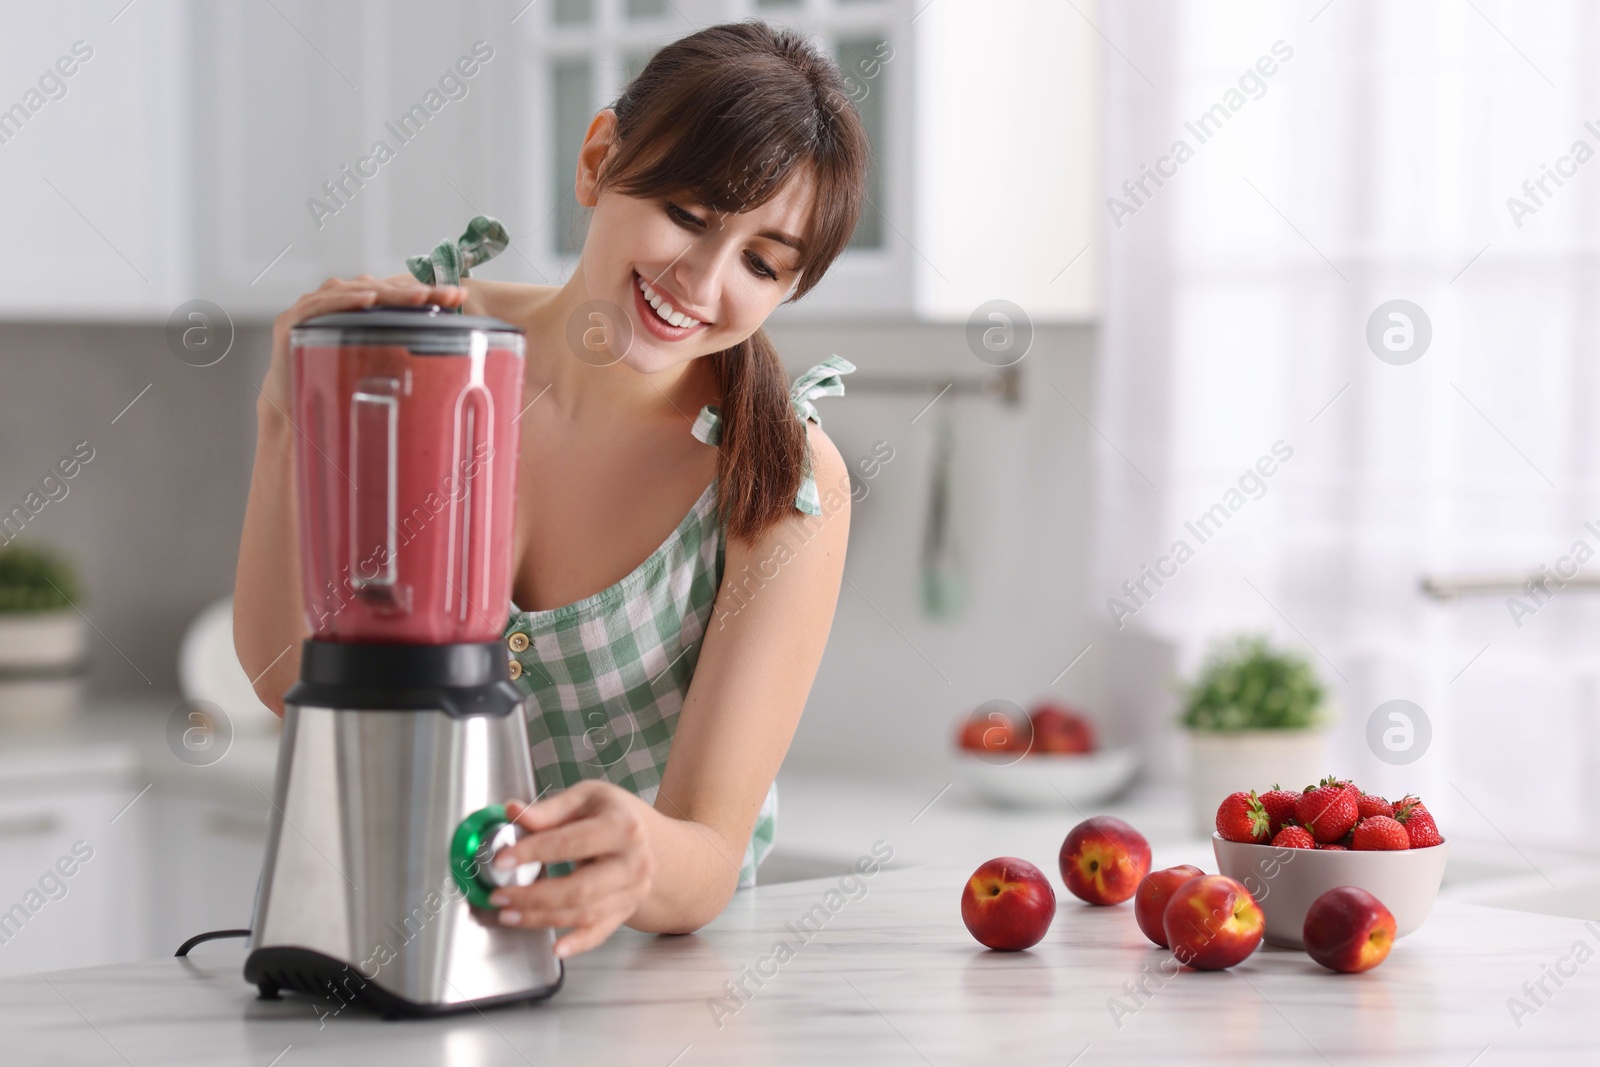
x,y
1353,154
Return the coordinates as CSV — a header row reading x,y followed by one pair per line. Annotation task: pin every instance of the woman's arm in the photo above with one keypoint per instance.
x,y
672,868
267,618
765,640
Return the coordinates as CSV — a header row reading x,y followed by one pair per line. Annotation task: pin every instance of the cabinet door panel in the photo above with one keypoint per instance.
x,y
93,178
209,862
277,114
71,892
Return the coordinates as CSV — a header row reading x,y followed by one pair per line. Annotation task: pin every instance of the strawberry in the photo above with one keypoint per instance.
x,y
1294,837
1327,810
1279,803
1368,805
1380,833
1421,830
1333,848
1240,817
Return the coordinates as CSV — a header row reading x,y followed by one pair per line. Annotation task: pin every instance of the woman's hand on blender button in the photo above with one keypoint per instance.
x,y
598,827
344,294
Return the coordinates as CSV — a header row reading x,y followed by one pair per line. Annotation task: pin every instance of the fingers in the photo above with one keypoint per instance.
x,y
591,903
584,938
396,290
582,898
347,294
602,829
553,811
410,291
592,818
581,839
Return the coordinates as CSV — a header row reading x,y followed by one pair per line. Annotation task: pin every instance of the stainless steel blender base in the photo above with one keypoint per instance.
x,y
357,899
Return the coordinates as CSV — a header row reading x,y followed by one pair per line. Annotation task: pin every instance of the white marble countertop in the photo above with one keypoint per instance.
x,y
892,977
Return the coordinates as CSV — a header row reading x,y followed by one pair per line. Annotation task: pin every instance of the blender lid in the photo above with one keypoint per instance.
x,y
409,317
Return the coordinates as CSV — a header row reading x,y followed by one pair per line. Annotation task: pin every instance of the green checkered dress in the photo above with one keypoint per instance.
x,y
608,674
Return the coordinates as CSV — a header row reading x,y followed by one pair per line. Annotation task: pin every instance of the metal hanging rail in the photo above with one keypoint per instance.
x,y
1005,384
1451,587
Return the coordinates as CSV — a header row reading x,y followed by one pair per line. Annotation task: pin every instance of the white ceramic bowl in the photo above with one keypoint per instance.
x,y
1285,881
209,670
1049,779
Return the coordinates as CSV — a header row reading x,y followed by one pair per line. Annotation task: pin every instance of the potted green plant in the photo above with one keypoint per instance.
x,y
1256,717
43,639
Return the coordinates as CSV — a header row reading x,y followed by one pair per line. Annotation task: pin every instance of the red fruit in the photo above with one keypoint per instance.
x,y
970,736
1369,805
1057,728
1421,830
1327,810
1008,904
1155,892
1240,817
1280,806
1348,929
1294,837
1343,783
1333,848
995,733
1380,834
1103,860
1212,922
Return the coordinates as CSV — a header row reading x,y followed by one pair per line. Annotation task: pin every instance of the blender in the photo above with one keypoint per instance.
x,y
404,732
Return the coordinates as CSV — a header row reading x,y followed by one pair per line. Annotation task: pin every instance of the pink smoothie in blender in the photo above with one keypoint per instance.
x,y
406,473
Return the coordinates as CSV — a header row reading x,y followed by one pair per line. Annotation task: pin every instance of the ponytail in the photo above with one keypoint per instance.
x,y
763,452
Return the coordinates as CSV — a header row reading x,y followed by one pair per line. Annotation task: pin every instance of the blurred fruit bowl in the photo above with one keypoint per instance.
x,y
1002,729
1285,881
1047,779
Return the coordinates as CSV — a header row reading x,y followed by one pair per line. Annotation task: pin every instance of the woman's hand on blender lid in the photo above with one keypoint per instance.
x,y
344,294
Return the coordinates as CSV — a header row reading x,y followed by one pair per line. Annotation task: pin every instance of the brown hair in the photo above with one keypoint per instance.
x,y
727,116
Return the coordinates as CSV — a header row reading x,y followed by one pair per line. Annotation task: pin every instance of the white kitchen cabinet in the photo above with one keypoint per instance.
x,y
72,885
93,163
206,859
188,158
173,849
291,107
1007,158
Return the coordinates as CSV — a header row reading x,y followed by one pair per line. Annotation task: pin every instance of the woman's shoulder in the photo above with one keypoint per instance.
x,y
830,475
502,300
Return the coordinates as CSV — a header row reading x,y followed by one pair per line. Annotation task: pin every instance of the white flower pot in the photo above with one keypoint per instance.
x,y
42,668
1223,763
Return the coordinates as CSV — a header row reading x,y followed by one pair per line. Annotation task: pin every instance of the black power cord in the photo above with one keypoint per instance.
x,y
210,935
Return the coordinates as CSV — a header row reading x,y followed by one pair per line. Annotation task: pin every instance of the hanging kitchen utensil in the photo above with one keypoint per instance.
x,y
943,573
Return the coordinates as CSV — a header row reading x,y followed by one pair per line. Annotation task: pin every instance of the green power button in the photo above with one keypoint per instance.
x,y
470,835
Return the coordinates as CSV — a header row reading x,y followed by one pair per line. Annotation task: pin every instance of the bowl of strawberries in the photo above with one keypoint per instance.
x,y
1289,847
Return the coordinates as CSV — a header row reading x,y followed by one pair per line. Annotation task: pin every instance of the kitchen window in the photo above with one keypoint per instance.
x,y
1241,296
584,51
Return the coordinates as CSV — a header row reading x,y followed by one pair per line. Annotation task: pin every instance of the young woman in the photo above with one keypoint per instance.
x,y
664,693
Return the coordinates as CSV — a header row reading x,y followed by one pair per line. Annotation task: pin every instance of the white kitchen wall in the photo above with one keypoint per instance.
x,y
893,683
155,517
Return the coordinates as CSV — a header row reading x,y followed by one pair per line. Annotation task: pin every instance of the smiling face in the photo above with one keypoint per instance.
x,y
724,271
